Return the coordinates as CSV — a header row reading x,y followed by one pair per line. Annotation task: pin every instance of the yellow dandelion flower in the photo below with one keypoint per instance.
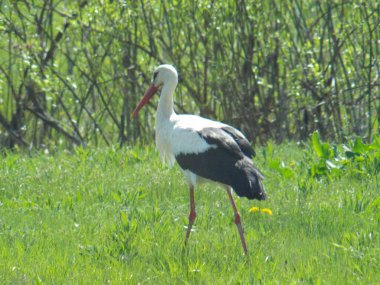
x,y
267,211
254,209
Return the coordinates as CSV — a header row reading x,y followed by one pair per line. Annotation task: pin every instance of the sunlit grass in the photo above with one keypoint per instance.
x,y
119,216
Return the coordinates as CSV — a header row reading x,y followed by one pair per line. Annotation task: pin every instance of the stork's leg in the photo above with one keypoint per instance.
x,y
237,221
192,214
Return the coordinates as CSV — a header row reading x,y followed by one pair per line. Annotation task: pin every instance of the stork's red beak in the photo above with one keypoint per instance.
x,y
147,96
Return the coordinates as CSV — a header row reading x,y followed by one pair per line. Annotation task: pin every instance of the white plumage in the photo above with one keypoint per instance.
x,y
180,135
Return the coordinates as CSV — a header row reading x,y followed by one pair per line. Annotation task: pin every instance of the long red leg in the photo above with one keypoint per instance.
x,y
237,221
192,214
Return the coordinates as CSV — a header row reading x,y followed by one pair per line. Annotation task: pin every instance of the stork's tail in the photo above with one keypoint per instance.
x,y
249,184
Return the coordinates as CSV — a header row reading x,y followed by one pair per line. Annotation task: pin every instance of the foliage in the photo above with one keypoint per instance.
x,y
362,158
322,160
72,71
117,216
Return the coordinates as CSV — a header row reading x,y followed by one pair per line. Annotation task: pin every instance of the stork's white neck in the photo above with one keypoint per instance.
x,y
165,105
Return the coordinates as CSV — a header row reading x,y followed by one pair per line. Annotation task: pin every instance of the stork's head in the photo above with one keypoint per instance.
x,y
162,75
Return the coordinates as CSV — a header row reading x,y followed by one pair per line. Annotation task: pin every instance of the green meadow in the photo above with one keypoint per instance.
x,y
84,200
118,216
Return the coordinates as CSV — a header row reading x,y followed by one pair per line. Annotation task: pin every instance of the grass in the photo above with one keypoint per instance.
x,y
119,217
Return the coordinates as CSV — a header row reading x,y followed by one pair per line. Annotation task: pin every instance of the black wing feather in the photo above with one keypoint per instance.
x,y
242,142
216,136
228,138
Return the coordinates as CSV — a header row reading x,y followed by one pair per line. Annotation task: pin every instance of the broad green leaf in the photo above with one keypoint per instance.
x,y
360,147
316,143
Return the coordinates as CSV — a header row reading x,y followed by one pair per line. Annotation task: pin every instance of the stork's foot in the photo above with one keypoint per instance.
x,y
192,217
192,214
241,232
238,222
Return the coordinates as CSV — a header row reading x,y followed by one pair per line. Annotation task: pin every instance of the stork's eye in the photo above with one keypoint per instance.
x,y
155,75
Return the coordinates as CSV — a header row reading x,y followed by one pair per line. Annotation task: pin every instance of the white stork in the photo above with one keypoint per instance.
x,y
205,150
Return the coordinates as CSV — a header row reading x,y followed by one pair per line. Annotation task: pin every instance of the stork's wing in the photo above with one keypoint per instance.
x,y
229,139
226,160
240,139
